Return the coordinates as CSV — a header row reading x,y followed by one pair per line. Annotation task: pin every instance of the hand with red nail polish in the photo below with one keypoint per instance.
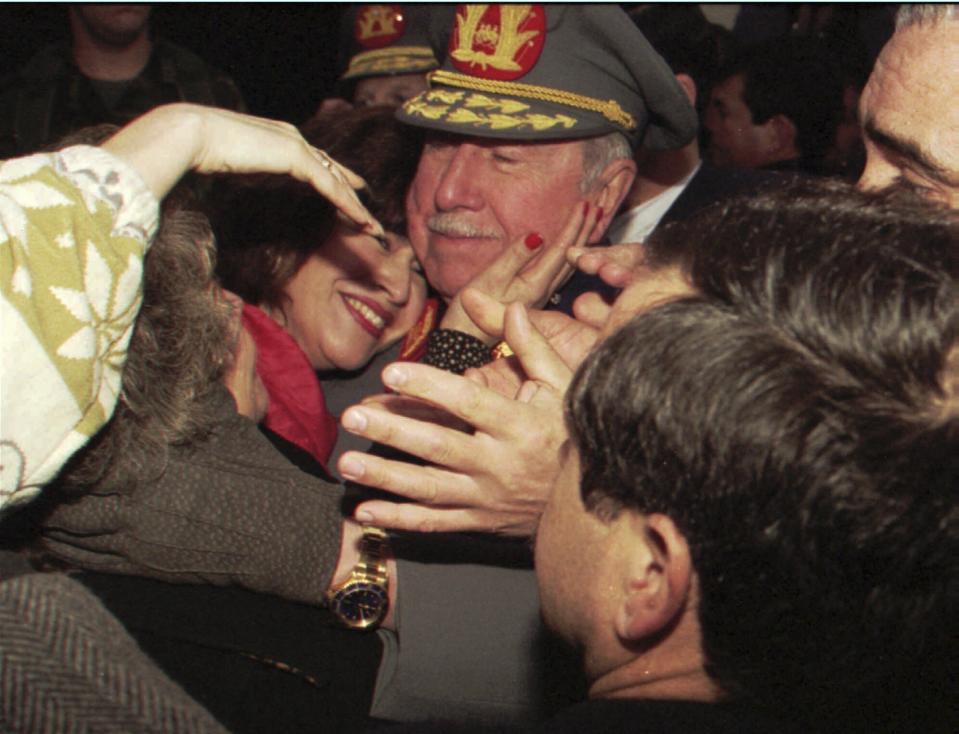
x,y
527,272
533,241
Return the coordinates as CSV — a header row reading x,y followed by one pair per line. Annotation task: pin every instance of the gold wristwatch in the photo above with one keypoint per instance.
x,y
361,601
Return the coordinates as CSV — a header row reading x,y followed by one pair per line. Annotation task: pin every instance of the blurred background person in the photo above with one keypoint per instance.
x,y
775,106
386,54
672,185
112,70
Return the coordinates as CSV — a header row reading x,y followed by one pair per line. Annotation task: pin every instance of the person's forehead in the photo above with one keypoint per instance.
x,y
544,147
913,89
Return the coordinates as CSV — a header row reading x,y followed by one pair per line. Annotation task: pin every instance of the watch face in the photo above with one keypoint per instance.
x,y
360,604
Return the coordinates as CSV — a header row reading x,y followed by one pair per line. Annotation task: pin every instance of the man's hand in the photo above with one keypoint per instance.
x,y
570,339
616,265
527,272
170,140
495,479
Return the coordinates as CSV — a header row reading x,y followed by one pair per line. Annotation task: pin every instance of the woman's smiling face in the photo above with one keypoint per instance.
x,y
352,298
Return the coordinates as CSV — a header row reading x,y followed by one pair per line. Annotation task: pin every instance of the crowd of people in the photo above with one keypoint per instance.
x,y
576,369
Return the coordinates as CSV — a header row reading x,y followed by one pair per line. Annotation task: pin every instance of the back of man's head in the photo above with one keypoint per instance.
x,y
799,422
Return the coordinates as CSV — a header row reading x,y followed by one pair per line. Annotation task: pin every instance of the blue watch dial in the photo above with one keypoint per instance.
x,y
360,604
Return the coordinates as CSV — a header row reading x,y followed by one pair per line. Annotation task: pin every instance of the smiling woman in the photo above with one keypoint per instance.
x,y
322,295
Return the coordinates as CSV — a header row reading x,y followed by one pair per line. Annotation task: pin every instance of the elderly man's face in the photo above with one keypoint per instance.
x,y
910,116
471,197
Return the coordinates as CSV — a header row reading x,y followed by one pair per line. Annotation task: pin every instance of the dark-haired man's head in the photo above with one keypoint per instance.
x,y
758,499
775,106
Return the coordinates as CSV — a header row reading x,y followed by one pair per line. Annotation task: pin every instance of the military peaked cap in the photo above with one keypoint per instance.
x,y
546,72
388,39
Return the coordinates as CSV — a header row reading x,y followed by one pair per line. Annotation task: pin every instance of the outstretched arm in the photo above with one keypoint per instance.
x,y
167,142
74,228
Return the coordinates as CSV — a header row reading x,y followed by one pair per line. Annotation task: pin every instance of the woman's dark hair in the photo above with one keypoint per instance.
x,y
268,226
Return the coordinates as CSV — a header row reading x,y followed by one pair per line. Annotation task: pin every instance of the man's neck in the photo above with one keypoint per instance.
x,y
661,170
98,60
671,668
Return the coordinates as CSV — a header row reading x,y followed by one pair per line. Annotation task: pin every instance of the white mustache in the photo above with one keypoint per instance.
x,y
452,225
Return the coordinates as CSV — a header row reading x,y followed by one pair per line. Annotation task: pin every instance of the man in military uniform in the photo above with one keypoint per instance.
x,y
113,72
388,54
532,117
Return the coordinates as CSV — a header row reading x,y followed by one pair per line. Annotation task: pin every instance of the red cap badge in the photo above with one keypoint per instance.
x,y
501,42
377,26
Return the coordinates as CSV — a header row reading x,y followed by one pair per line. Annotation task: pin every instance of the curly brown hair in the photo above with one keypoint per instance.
x,y
181,344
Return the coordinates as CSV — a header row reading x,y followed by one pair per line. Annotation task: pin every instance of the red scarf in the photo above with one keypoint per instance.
x,y
297,409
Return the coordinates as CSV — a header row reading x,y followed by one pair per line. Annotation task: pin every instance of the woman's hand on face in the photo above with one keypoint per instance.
x,y
527,272
168,141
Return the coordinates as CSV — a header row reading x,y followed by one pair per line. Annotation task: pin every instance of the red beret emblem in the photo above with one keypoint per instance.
x,y
377,26
501,42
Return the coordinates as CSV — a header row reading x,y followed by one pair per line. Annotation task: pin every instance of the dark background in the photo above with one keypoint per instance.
x,y
283,56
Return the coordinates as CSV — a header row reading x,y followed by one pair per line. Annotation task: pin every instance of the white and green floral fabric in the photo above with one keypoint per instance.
x,y
74,227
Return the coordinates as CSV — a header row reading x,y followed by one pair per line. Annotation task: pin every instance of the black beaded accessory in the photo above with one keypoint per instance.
x,y
455,351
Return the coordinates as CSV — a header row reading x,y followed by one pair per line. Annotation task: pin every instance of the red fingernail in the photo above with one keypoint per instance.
x,y
599,213
533,241
585,208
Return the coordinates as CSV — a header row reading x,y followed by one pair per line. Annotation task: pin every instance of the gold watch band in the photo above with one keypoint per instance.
x,y
374,549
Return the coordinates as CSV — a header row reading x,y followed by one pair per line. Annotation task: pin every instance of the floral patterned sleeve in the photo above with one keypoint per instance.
x,y
74,227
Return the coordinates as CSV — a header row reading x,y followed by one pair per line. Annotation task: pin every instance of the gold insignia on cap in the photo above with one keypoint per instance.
x,y
502,114
506,40
610,108
447,96
390,60
507,106
375,21
420,107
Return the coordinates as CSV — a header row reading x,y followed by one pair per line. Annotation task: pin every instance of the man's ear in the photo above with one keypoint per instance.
x,y
657,578
689,87
611,188
781,137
